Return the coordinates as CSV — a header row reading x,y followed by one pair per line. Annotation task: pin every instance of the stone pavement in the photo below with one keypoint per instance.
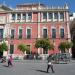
x,y
34,67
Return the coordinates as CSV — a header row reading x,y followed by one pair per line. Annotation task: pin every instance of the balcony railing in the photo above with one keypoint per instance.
x,y
13,37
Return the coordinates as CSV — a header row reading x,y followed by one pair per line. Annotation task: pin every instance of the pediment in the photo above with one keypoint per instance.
x,y
4,8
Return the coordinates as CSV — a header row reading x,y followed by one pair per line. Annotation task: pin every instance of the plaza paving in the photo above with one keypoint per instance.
x,y
33,67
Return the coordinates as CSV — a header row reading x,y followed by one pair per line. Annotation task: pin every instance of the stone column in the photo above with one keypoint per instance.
x,y
21,17
53,16
59,16
38,24
16,17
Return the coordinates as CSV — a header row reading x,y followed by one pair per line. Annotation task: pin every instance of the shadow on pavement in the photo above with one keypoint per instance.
x,y
42,71
5,65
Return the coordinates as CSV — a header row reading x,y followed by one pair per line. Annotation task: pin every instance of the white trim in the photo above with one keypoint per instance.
x,y
15,17
59,16
32,17
41,17
47,16
26,17
39,24
53,16
64,16
21,17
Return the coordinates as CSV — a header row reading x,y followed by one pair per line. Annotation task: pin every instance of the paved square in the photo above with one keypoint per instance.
x,y
31,67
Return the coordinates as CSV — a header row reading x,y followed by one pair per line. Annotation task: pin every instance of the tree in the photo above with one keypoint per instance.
x,y
62,46
22,47
65,45
43,43
69,45
3,47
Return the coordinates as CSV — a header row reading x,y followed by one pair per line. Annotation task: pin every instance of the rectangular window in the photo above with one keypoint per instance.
x,y
30,16
62,33
12,33
1,34
44,33
11,49
56,16
62,16
13,16
44,15
18,16
24,16
28,33
53,33
20,33
50,15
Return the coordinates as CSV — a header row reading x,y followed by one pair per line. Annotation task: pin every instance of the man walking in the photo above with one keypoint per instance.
x,y
50,65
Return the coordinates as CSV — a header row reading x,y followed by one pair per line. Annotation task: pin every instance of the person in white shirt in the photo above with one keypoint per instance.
x,y
49,64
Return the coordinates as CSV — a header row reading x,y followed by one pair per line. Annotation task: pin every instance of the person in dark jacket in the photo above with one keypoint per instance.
x,y
10,61
50,65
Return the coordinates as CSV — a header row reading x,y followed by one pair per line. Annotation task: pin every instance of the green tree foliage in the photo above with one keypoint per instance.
x,y
65,45
62,46
22,47
69,45
3,47
44,43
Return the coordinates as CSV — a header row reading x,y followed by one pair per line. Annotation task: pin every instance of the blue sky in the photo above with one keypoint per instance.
x,y
13,3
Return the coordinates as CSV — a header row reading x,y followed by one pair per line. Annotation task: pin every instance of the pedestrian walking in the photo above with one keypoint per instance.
x,y
10,61
50,64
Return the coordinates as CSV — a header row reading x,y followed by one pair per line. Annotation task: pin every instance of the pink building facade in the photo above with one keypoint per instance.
x,y
28,22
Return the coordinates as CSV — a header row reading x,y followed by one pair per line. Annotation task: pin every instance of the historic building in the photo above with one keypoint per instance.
x,y
28,22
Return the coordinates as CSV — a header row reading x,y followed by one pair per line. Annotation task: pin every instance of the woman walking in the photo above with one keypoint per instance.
x,y
10,61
